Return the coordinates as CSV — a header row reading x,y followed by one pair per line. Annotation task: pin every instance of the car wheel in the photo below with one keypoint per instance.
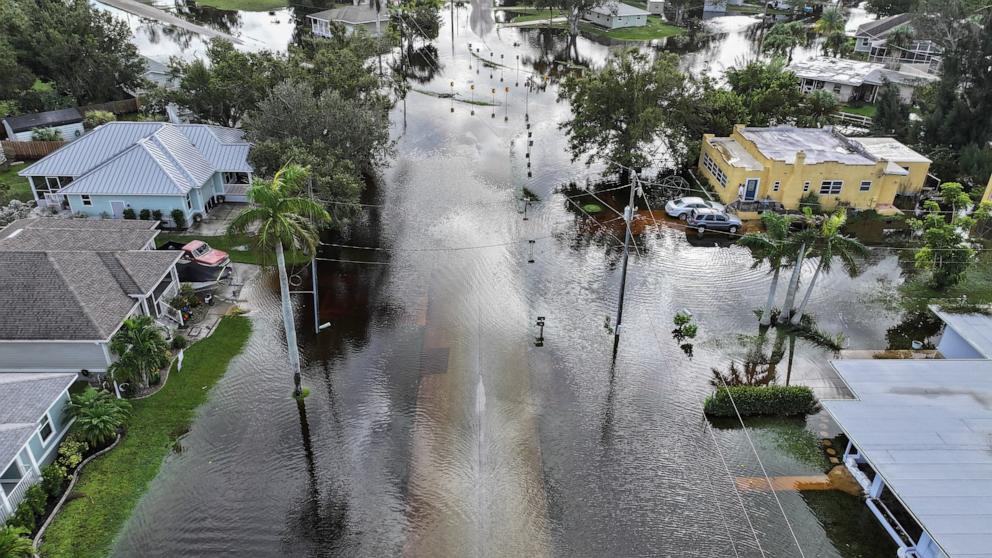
x,y
683,217
733,230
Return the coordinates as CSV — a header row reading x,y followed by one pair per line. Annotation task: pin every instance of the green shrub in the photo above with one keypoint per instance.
x,y
179,343
812,201
71,451
179,218
31,509
157,214
761,400
95,118
53,478
129,214
145,214
98,415
14,542
46,134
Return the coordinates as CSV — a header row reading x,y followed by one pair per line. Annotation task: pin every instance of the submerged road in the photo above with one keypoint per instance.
x,y
151,12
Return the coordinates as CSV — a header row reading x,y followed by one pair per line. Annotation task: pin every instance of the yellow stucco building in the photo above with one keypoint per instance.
x,y
987,196
784,163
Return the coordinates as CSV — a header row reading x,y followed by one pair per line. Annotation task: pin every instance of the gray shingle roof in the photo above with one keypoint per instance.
x,y
884,26
92,224
24,398
29,239
145,158
74,295
26,122
363,13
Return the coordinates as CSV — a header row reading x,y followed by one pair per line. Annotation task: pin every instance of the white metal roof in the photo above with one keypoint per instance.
x,y
925,426
975,329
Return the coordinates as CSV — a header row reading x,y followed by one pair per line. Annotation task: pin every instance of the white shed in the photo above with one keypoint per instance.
x,y
614,15
68,121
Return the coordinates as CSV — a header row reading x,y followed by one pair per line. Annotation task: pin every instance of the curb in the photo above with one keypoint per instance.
x,y
75,476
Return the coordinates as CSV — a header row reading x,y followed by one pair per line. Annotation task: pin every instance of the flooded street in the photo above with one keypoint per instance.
x,y
436,427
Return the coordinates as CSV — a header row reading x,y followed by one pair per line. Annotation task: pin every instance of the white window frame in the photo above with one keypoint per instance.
x,y
863,188
48,184
831,186
41,424
86,200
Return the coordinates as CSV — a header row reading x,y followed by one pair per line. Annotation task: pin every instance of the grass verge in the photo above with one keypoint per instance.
x,y
20,189
863,110
656,28
244,5
522,17
238,247
110,486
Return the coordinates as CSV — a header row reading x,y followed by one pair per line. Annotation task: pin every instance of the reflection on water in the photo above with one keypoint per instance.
x,y
436,427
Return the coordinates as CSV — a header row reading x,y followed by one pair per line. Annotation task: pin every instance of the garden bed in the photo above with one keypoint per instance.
x,y
111,486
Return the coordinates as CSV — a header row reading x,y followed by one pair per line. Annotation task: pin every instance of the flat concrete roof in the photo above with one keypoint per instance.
x,y
975,329
781,143
890,149
736,154
925,426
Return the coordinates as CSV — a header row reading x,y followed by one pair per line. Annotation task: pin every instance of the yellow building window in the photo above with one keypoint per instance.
x,y
715,170
806,186
865,185
831,187
776,186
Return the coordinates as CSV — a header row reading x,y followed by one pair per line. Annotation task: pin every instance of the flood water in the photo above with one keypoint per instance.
x,y
436,427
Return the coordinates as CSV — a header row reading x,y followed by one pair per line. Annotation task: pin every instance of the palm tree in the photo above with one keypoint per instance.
x,y
140,348
284,221
830,244
14,542
769,247
798,244
98,415
783,38
831,25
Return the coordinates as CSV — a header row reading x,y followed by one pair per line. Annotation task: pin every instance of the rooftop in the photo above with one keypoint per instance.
x,y
925,426
75,295
888,148
735,153
975,329
27,122
362,13
782,143
76,234
145,158
619,9
24,398
883,26
854,72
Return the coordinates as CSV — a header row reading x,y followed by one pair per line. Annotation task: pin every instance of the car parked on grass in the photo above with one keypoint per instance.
x,y
681,207
712,220
200,253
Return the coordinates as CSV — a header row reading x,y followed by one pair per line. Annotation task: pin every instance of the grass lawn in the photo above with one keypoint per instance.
x,y
976,285
523,17
110,486
19,187
656,28
245,5
238,247
864,110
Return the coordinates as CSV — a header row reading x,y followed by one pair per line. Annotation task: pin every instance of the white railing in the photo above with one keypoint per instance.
x,y
17,494
170,312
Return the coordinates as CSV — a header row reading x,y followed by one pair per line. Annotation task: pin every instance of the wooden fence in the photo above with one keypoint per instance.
x,y
17,150
123,106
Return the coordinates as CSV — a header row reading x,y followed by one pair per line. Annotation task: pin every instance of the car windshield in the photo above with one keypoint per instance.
x,y
203,249
679,202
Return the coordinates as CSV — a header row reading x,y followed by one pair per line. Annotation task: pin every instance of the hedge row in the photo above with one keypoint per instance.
x,y
761,400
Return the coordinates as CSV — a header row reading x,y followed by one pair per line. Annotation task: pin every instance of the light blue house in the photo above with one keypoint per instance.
x,y
32,423
144,165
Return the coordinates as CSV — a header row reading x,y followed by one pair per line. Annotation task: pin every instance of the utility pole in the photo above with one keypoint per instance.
x,y
628,217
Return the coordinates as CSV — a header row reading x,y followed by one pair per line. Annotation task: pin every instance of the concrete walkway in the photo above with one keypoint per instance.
x,y
537,22
151,12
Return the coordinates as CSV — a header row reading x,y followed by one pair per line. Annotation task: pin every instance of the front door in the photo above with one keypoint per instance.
x,y
117,207
751,189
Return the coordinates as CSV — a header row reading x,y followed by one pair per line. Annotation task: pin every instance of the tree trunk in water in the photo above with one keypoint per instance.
x,y
809,290
573,22
766,317
790,295
289,322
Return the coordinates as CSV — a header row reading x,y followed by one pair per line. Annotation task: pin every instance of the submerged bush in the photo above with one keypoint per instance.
x,y
761,400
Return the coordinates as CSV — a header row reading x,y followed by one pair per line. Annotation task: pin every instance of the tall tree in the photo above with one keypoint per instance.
x,y
140,349
783,38
817,108
891,114
769,247
831,26
889,7
224,86
621,112
830,244
573,10
281,220
769,91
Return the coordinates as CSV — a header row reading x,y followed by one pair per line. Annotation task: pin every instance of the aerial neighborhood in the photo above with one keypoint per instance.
x,y
461,278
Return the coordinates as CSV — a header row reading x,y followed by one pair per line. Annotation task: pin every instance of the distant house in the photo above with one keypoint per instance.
x,y
158,74
656,7
67,285
353,18
872,38
615,15
783,163
144,165
856,81
67,121
32,424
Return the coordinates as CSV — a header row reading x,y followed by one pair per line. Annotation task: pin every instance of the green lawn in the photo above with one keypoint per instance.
x,y
523,17
238,247
110,486
864,110
19,187
245,5
656,28
976,285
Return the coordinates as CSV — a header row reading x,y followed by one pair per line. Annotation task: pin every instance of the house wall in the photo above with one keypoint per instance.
x,y
70,132
101,204
987,196
793,177
863,44
320,27
952,345
656,7
45,452
52,356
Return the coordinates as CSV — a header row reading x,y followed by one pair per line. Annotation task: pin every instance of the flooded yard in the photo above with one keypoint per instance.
x,y
436,425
